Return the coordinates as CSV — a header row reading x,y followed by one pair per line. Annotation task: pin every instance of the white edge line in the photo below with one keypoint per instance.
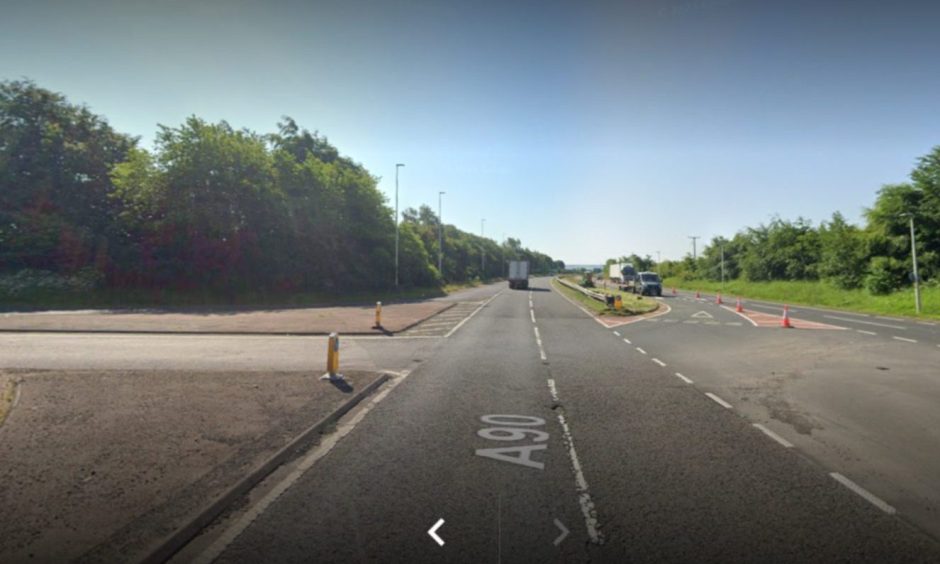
x,y
869,497
684,379
773,435
905,339
466,319
659,362
718,400
863,332
734,311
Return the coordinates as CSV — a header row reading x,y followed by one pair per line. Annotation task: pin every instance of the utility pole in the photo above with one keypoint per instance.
x,y
910,217
722,265
482,253
397,166
694,239
440,236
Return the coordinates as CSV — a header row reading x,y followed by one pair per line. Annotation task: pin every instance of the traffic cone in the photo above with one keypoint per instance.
x,y
785,322
718,299
739,308
674,292
698,294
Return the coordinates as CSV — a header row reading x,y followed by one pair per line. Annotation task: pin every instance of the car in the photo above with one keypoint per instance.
x,y
648,284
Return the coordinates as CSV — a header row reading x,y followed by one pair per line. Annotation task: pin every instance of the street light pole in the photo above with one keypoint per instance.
x,y
914,258
482,253
722,266
440,236
397,166
694,238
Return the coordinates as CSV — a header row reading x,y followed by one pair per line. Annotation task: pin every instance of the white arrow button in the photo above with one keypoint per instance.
x,y
433,532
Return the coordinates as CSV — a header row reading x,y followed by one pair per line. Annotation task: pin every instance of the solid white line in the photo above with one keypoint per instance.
x,y
866,332
627,341
616,333
483,305
327,442
659,362
850,320
736,312
774,436
641,351
683,378
718,400
906,340
581,485
870,497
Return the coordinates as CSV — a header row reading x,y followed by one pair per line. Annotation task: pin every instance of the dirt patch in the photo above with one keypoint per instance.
x,y
91,460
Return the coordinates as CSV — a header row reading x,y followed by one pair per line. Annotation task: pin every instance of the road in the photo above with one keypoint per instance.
x,y
693,435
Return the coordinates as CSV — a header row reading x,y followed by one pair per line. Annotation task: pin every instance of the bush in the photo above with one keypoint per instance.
x,y
885,276
30,282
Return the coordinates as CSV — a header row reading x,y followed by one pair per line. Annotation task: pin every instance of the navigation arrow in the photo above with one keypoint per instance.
x,y
433,532
564,532
702,314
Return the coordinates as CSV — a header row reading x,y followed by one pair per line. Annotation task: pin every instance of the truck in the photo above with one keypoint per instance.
x,y
626,276
519,274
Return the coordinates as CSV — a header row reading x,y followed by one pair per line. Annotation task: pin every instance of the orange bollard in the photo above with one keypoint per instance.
x,y
785,322
718,298
674,292
698,294
739,308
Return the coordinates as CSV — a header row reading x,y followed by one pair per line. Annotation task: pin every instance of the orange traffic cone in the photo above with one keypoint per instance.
x,y
698,294
674,292
785,322
718,299
739,308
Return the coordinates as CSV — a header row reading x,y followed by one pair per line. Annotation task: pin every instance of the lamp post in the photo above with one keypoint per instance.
x,y
397,166
910,217
440,235
694,238
722,266
482,252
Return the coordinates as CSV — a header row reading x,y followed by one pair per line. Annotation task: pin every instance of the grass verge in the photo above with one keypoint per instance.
x,y
821,294
632,304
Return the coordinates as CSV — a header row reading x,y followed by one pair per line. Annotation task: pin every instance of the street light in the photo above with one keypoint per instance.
x,y
440,235
482,252
722,265
694,238
910,217
397,166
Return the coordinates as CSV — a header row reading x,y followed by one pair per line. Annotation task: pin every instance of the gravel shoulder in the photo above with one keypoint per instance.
x,y
104,463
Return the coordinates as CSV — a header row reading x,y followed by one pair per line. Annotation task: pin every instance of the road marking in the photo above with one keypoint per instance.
x,y
532,314
627,341
683,378
866,332
712,323
734,323
659,362
718,400
773,435
927,323
861,321
617,333
691,321
905,339
740,314
581,485
538,340
327,442
483,305
641,351
433,532
702,315
870,497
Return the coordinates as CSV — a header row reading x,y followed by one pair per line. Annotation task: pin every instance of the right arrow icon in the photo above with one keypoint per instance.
x,y
564,532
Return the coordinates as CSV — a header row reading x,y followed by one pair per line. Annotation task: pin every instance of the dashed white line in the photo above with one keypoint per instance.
x,y
869,497
905,339
532,314
538,340
641,351
861,321
718,400
659,362
617,333
866,332
773,435
627,341
683,378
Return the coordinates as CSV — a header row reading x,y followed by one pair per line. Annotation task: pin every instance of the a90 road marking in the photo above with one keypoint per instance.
x,y
514,428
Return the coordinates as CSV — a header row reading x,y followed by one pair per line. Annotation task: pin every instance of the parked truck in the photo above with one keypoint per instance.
x,y
627,278
519,274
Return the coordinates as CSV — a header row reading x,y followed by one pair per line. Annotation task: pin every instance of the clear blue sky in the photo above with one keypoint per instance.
x,y
588,130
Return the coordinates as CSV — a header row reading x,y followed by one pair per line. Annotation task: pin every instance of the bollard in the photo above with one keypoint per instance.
x,y
618,302
378,315
332,359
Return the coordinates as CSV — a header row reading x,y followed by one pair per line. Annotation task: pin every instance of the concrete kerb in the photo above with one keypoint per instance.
x,y
170,545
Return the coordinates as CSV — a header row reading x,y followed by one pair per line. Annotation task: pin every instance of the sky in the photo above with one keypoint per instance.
x,y
588,130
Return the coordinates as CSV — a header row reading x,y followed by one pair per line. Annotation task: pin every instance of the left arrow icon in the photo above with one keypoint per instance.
x,y
433,532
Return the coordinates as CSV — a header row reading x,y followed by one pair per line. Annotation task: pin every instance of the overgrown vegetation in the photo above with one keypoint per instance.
x,y
211,210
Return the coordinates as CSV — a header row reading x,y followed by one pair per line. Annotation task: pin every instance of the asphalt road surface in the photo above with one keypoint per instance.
x,y
533,433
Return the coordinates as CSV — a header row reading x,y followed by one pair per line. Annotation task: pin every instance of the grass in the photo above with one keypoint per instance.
x,y
632,304
821,294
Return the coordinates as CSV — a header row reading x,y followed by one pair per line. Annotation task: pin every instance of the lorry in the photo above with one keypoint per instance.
x,y
626,278
519,274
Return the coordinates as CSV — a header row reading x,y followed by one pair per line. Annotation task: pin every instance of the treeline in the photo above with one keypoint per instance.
x,y
211,207
876,255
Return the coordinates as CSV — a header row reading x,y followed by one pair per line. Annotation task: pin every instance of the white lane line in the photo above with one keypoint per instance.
x,y
532,314
906,340
581,485
617,333
927,323
641,351
863,332
849,319
870,497
659,362
773,435
718,400
466,319
683,378
327,442
627,341
538,340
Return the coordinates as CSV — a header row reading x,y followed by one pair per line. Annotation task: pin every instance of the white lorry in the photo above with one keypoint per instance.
x,y
519,274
